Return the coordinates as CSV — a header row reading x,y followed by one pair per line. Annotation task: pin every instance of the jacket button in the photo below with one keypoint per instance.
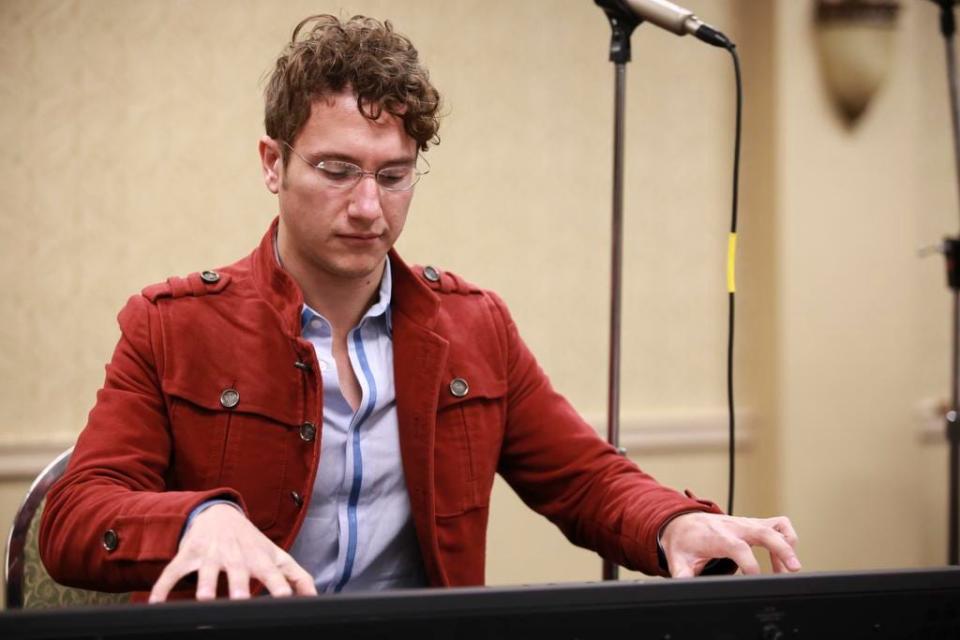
x,y
110,540
210,277
308,432
431,274
230,398
459,387
303,366
297,498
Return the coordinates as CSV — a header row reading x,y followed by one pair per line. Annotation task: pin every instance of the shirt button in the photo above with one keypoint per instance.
x,y
459,387
110,540
308,432
297,498
210,277
230,398
431,274
316,323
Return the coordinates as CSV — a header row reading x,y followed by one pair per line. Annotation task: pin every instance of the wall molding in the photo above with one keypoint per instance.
x,y
22,461
655,432
643,433
679,431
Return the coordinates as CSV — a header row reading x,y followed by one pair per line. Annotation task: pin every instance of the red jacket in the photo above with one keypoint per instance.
x,y
213,392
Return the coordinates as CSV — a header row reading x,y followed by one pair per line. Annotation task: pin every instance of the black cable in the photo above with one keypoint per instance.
x,y
731,286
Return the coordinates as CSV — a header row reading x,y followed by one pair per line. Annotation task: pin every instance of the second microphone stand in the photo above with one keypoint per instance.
x,y
951,251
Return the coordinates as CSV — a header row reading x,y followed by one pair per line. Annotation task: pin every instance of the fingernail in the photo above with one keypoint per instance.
x,y
793,564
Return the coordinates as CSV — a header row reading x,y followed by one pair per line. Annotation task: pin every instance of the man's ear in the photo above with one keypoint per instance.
x,y
271,162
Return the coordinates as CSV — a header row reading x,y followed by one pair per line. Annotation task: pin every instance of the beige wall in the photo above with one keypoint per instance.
x,y
131,130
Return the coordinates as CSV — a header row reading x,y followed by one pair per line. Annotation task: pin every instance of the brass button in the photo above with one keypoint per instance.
x,y
459,387
110,540
297,498
230,398
210,277
431,274
308,432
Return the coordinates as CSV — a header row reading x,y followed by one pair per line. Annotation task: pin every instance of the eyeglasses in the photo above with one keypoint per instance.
x,y
346,175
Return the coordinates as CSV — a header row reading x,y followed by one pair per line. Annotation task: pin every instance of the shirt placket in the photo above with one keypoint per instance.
x,y
350,515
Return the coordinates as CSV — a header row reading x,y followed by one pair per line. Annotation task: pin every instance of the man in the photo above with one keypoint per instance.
x,y
321,416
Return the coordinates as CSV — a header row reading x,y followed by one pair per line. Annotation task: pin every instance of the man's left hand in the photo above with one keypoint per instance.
x,y
691,540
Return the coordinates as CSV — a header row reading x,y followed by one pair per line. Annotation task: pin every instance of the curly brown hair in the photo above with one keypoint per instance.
x,y
381,66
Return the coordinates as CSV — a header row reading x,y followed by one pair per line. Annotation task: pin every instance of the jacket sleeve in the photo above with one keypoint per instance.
x,y
562,469
109,523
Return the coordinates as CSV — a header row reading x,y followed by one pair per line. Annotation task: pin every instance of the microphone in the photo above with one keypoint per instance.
x,y
678,20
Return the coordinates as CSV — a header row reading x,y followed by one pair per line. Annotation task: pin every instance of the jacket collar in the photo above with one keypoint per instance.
x,y
411,297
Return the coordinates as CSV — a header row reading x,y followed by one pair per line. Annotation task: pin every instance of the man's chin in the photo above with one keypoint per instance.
x,y
356,269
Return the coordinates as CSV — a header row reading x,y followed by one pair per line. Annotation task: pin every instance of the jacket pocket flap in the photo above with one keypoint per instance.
x,y
215,365
470,380
243,392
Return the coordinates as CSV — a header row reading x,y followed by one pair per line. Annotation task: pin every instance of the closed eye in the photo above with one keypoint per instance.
x,y
394,175
337,171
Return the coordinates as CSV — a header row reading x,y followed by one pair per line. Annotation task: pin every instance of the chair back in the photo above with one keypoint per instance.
x,y
28,585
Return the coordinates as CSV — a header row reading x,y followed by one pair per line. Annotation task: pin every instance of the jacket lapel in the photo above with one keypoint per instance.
x,y
419,358
419,363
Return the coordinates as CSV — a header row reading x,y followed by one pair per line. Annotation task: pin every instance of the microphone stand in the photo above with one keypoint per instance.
x,y
622,24
951,251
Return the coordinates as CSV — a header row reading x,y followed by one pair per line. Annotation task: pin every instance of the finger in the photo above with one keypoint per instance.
x,y
776,564
238,579
785,527
276,584
301,581
741,553
207,576
680,568
170,575
266,571
778,547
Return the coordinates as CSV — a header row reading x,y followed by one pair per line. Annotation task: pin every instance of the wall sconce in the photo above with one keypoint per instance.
x,y
856,41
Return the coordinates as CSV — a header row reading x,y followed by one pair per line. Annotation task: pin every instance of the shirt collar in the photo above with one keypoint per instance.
x,y
382,305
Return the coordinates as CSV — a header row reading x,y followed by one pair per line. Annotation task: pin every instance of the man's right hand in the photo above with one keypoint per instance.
x,y
222,540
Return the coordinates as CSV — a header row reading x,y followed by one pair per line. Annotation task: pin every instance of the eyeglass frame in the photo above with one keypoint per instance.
x,y
360,173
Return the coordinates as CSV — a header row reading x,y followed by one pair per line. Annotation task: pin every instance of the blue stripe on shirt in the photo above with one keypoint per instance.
x,y
357,460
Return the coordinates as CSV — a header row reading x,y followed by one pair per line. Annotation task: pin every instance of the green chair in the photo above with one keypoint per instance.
x,y
28,585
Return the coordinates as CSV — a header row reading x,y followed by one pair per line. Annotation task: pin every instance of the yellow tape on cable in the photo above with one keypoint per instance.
x,y
732,263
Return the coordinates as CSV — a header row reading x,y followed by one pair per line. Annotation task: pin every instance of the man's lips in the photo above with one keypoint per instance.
x,y
359,237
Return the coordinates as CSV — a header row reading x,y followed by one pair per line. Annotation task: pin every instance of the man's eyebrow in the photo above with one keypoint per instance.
x,y
319,156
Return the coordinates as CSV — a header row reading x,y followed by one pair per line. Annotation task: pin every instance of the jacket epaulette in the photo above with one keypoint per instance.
x,y
196,284
445,281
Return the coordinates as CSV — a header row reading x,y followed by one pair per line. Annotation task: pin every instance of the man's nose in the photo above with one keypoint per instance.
x,y
365,199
